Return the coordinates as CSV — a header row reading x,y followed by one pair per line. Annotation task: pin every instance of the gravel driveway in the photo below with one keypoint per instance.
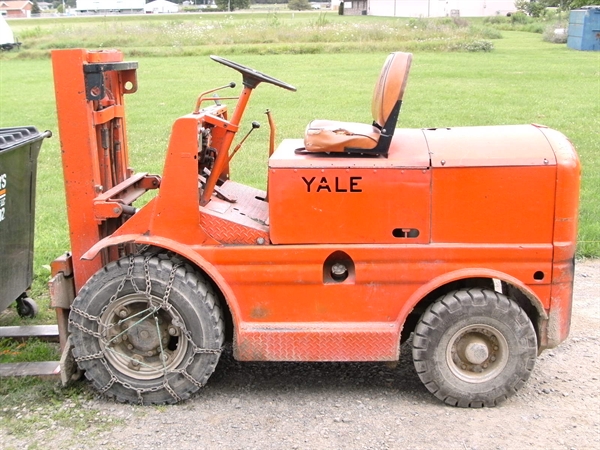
x,y
367,405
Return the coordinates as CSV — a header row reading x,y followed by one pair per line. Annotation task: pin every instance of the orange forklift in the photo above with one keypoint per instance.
x,y
368,234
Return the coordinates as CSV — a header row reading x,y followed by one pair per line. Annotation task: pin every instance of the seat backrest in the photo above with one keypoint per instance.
x,y
390,86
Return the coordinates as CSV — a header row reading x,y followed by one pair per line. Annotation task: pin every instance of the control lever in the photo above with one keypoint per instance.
x,y
201,96
255,125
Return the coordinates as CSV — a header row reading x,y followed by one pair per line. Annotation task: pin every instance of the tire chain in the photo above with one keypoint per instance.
x,y
106,327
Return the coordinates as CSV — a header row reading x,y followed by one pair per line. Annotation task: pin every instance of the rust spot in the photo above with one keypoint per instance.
x,y
259,312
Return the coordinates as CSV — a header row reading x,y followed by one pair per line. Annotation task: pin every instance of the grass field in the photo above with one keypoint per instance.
x,y
244,33
523,80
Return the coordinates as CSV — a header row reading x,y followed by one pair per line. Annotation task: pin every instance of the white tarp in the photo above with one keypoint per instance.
x,y
6,34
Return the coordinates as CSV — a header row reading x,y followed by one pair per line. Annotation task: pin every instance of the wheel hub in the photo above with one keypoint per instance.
x,y
477,353
144,336
141,339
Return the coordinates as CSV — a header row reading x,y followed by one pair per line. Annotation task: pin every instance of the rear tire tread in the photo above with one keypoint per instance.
x,y
456,306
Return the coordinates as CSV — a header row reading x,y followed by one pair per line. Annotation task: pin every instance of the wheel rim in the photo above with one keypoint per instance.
x,y
140,338
477,353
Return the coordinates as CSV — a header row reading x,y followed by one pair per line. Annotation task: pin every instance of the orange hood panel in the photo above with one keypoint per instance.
x,y
490,146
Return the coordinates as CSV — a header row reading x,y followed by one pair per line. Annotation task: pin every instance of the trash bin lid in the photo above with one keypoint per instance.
x,y
17,136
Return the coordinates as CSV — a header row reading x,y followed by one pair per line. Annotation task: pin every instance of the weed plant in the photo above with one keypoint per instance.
x,y
556,33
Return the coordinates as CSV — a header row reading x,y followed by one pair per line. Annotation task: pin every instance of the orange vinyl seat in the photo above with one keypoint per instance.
x,y
328,136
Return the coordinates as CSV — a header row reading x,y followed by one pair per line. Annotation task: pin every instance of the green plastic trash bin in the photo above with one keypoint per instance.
x,y
19,149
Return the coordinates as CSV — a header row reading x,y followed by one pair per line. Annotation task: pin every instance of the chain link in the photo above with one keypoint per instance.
x,y
86,315
84,329
147,279
188,377
97,355
170,390
165,305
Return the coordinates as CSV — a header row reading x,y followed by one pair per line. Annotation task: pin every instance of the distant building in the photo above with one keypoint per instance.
x,y
110,5
13,9
161,7
427,8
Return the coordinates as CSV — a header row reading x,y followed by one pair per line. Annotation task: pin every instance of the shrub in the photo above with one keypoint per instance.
x,y
35,9
551,35
519,17
477,46
535,27
299,5
460,22
486,32
223,5
534,9
494,20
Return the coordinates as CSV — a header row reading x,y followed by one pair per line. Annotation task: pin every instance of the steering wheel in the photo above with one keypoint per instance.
x,y
252,77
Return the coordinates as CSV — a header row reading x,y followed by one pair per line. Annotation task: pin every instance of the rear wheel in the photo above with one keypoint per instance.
x,y
474,348
147,329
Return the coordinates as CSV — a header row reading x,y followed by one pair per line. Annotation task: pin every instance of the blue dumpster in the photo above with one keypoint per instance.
x,y
584,29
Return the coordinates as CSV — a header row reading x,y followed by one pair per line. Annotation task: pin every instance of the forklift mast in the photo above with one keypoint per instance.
x,y
99,185
90,87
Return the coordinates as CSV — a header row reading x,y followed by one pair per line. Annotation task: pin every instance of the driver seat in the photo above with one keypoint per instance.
x,y
328,136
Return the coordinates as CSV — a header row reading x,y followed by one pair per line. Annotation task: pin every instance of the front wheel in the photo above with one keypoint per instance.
x,y
147,329
474,348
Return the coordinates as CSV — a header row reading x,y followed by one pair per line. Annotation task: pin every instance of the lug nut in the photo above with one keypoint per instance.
x,y
173,331
134,363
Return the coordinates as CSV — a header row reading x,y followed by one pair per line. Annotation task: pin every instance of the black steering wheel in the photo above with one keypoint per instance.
x,y
251,77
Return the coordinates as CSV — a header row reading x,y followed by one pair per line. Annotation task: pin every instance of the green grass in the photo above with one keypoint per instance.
x,y
261,33
34,350
30,406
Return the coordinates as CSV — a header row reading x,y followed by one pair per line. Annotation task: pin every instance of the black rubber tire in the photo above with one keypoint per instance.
x,y
471,312
192,300
27,307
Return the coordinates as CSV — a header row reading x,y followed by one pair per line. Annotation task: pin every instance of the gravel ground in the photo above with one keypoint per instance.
x,y
356,406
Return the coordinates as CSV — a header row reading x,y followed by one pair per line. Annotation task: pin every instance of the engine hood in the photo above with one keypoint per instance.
x,y
507,145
